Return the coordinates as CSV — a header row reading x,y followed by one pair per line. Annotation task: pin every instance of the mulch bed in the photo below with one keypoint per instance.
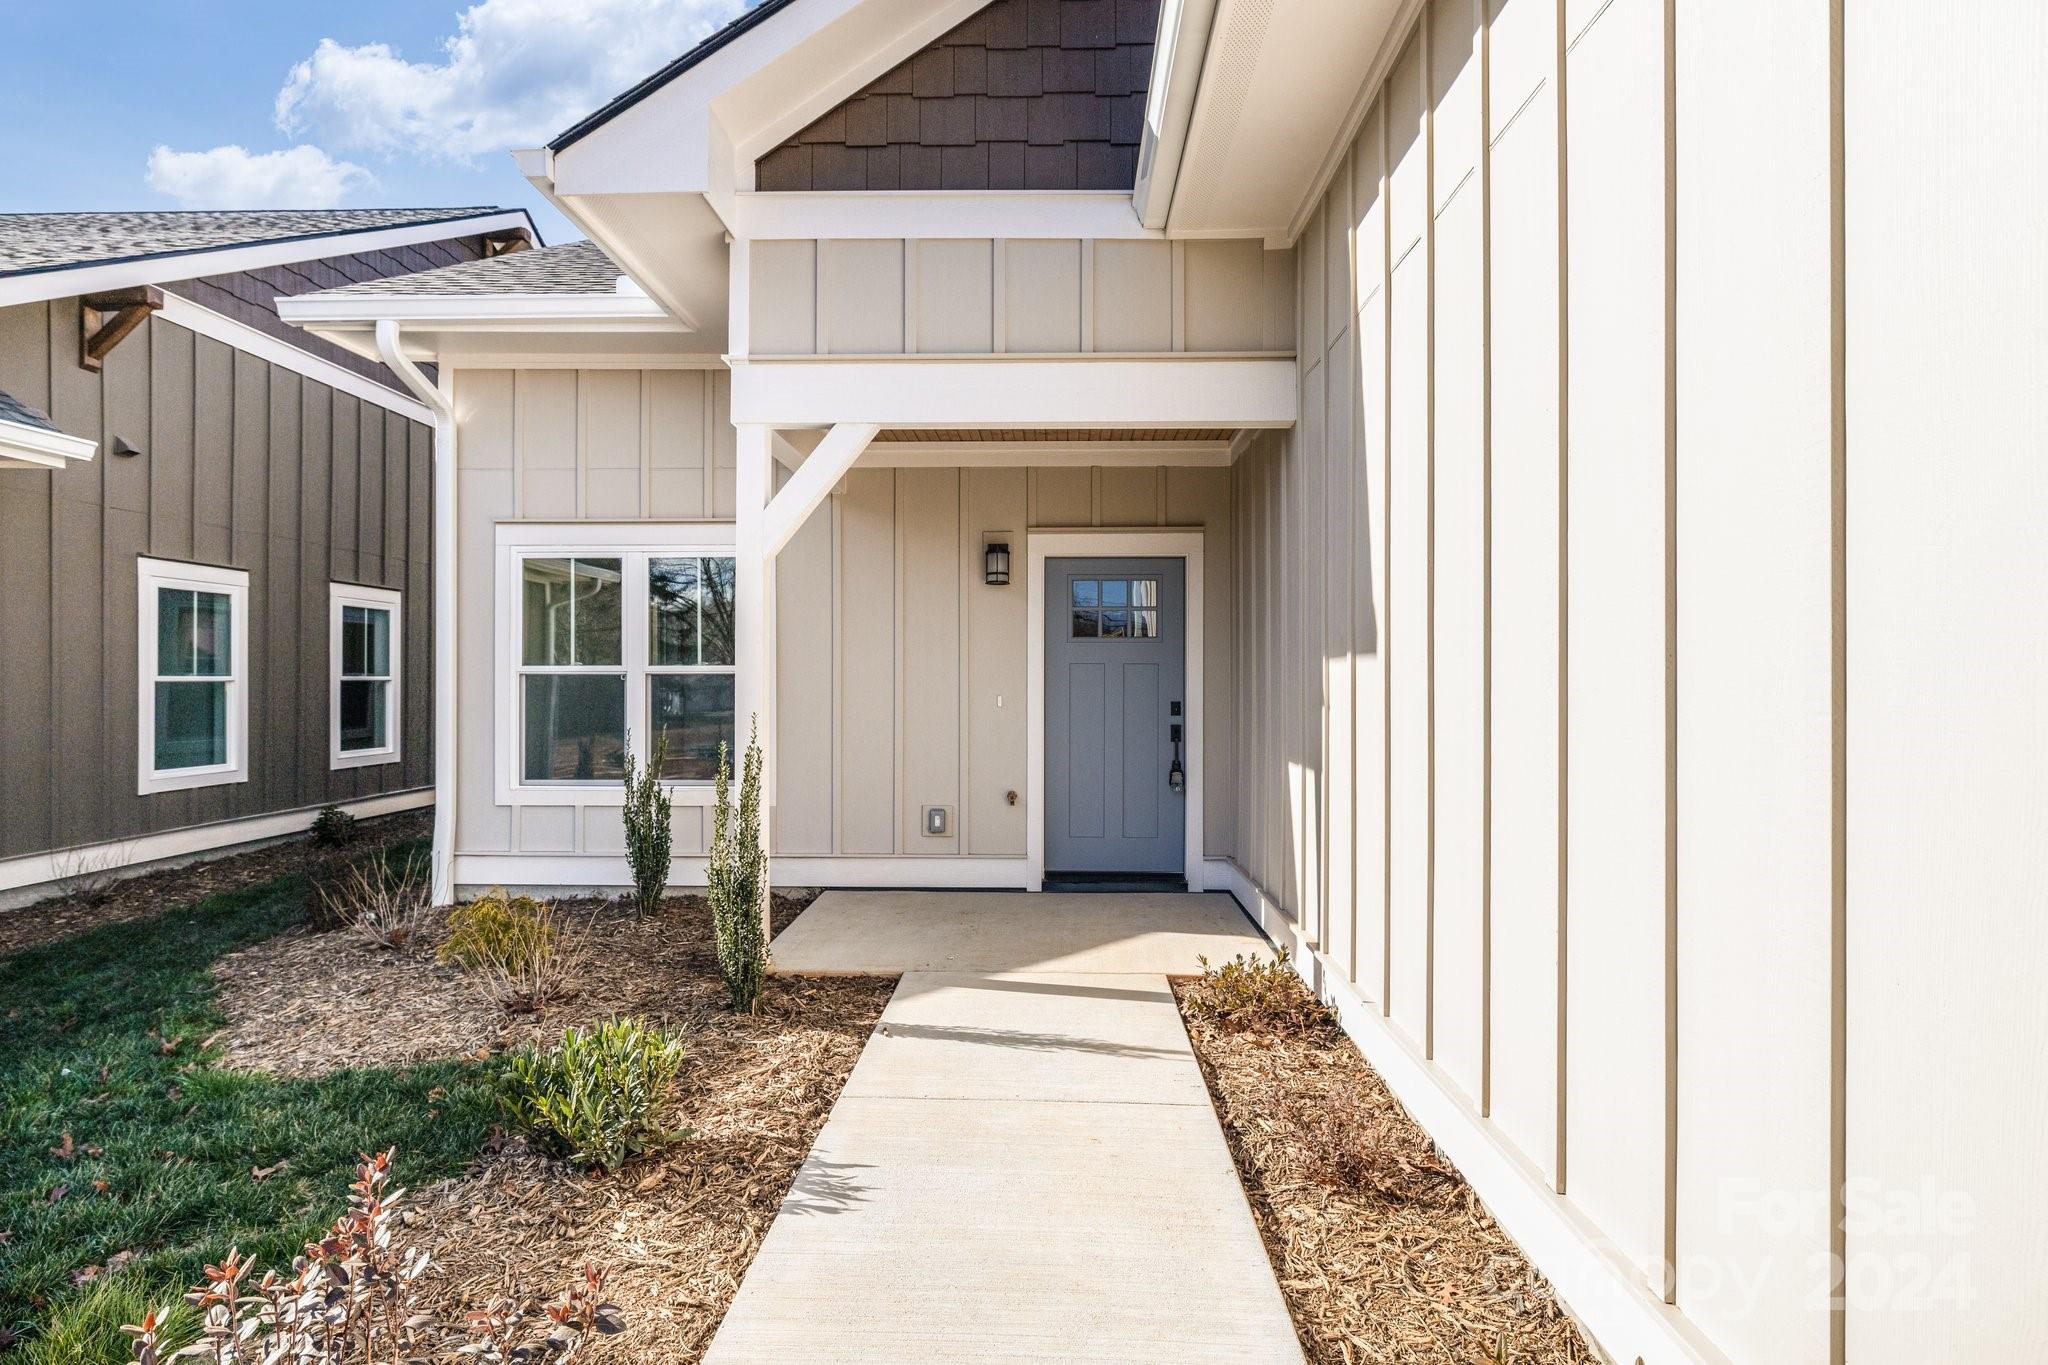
x,y
152,893
1382,1250
676,1229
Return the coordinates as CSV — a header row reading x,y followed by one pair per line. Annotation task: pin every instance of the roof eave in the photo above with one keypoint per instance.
x,y
23,446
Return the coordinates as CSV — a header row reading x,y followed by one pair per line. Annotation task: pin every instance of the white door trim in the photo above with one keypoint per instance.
x,y
1184,544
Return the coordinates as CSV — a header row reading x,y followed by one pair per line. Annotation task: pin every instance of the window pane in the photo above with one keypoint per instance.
x,y
1145,623
546,593
355,642
693,712
600,592
192,633
672,611
191,725
1116,625
1144,592
1084,592
362,715
380,643
1116,592
575,727
718,600
1085,627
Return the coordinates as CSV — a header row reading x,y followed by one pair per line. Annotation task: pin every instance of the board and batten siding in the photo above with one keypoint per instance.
x,y
1644,641
243,464
966,296
902,677
563,445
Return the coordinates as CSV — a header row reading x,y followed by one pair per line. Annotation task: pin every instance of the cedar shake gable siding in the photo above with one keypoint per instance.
x,y
1025,95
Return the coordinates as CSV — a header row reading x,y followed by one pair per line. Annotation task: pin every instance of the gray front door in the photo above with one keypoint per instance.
x,y
1115,660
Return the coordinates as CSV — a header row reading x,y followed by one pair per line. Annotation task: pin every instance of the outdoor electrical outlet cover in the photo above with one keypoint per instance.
x,y
934,819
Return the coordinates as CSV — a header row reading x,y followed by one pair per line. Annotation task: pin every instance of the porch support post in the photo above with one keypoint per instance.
x,y
754,611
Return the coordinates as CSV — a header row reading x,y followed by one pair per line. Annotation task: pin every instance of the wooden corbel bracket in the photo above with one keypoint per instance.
x,y
104,319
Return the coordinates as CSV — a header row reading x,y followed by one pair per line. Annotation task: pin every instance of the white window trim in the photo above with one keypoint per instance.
x,y
340,595
150,575
635,543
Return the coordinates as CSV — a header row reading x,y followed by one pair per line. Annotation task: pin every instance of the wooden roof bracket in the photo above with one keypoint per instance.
x,y
105,319
502,243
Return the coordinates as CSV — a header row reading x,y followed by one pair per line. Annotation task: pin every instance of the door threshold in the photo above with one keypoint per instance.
x,y
1113,882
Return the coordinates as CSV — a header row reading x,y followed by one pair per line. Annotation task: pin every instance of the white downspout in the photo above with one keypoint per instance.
x,y
395,359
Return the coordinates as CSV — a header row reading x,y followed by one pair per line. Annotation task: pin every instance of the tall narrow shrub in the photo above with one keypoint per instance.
x,y
647,826
738,876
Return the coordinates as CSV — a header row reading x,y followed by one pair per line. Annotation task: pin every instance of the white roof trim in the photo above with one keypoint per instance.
x,y
1104,214
93,278
207,323
481,311
1184,27
26,447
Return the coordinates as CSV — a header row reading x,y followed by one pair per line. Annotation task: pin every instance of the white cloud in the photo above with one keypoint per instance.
x,y
515,73
301,177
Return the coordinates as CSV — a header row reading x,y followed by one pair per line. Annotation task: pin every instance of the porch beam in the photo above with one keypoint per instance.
x,y
814,479
1010,391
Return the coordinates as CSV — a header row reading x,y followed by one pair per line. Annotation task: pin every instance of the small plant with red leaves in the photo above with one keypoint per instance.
x,y
353,1299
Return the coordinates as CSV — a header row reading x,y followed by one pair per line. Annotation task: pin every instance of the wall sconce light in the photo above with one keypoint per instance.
x,y
123,446
995,564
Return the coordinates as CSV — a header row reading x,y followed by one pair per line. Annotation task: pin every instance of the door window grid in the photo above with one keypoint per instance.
x,y
1113,608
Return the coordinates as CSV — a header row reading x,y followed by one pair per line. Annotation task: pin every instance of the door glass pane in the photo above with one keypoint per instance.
x,y
694,713
1086,623
1084,591
600,591
1116,624
1115,592
191,725
575,727
1145,623
362,715
718,607
1144,592
192,633
545,593
672,593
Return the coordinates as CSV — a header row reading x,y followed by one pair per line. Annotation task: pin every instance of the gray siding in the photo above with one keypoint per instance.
x,y
244,464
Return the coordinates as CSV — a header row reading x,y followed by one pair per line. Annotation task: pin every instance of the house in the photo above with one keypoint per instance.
x,y
1536,498
214,534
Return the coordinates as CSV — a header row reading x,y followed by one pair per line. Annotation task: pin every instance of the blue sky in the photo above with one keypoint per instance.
x,y
128,104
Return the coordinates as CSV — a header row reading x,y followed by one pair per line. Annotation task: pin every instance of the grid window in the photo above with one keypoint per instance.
x,y
1114,608
365,645
193,697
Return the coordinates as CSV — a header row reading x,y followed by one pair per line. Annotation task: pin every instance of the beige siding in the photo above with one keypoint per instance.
x,y
1036,295
1665,621
1947,666
558,445
912,688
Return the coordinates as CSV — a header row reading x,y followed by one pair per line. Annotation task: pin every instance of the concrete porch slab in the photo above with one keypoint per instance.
x,y
889,932
1022,1167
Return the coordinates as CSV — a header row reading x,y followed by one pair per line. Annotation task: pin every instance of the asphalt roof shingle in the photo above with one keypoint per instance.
x,y
31,242
572,268
12,409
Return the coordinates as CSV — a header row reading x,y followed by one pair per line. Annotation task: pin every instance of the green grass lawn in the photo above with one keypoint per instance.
x,y
162,1142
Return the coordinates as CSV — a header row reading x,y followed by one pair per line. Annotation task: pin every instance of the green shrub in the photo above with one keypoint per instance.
x,y
647,827
1255,995
86,1328
333,827
593,1097
513,945
737,873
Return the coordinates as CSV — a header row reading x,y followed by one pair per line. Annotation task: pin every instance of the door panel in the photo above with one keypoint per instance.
x,y
1116,658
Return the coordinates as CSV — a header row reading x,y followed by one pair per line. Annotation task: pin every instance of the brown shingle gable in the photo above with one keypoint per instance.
x,y
1025,94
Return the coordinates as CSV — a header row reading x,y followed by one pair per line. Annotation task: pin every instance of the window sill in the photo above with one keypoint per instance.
x,y
155,784
374,759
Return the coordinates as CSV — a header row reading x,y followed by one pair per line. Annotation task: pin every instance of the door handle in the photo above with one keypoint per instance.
x,y
1176,776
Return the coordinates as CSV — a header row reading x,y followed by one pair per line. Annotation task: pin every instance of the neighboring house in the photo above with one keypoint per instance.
x,y
1568,473
215,533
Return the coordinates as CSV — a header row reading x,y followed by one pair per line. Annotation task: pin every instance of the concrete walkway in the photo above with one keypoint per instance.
x,y
1023,1166
884,933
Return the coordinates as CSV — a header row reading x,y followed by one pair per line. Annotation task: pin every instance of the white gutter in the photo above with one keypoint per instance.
x,y
437,399
1184,27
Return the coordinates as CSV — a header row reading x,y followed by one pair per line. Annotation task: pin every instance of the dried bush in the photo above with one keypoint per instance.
x,y
1254,995
593,1097
89,875
353,1299
737,876
514,946
333,827
648,832
1346,1143
381,904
